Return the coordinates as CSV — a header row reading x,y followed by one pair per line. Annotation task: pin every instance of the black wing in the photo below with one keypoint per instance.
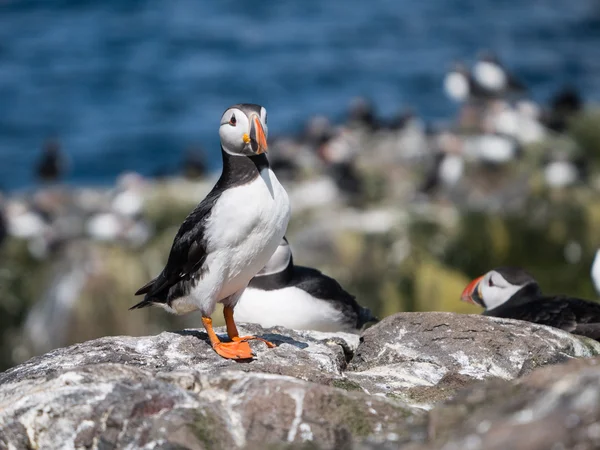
x,y
186,259
574,315
326,288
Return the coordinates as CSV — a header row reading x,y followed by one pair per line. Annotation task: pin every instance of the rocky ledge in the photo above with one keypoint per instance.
x,y
415,380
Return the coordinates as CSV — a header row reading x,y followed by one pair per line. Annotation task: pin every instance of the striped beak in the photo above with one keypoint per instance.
x,y
472,294
258,140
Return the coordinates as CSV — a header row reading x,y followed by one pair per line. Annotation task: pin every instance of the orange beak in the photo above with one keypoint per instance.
x,y
258,140
471,292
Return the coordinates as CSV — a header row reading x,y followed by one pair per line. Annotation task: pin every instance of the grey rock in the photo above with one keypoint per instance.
x,y
552,408
315,390
423,358
173,391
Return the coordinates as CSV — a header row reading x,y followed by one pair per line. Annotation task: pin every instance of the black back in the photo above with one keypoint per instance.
x,y
574,315
319,286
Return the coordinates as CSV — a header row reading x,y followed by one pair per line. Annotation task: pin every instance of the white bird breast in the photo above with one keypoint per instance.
x,y
456,86
289,307
451,169
490,76
496,149
243,230
560,174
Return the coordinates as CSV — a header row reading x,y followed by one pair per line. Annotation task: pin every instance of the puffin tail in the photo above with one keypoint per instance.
x,y
145,289
141,304
365,317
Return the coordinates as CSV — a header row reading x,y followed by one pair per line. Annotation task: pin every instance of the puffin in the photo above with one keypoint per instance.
x,y
490,73
300,298
51,165
512,293
460,85
229,237
565,104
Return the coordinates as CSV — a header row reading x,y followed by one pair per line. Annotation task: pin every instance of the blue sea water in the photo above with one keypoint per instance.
x,y
130,85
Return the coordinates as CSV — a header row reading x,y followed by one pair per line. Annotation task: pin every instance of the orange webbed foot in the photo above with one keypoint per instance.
x,y
250,338
234,350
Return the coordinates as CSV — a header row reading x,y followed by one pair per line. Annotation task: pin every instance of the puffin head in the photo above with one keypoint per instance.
x,y
280,260
243,130
496,287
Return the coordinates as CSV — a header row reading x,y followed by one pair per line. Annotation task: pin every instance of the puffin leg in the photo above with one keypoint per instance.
x,y
228,350
232,330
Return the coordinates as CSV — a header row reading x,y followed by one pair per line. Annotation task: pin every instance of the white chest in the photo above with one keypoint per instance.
x,y
456,86
490,76
291,308
246,226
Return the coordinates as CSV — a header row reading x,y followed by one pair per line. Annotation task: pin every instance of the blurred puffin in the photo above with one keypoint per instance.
x,y
565,104
3,224
51,165
563,169
299,298
231,234
493,76
362,114
512,293
460,86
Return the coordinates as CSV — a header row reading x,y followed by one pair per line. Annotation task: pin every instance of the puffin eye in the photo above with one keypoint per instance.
x,y
265,117
490,283
232,121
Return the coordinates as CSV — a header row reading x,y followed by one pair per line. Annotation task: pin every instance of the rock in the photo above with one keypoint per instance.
x,y
423,358
321,390
552,408
173,391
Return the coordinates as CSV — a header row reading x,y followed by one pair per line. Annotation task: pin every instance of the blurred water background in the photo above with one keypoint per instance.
x,y
130,85
403,196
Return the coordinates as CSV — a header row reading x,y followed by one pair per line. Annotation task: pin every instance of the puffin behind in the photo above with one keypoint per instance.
x,y
512,293
230,235
301,298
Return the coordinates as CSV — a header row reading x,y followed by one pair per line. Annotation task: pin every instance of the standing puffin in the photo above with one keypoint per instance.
x,y
230,235
512,293
299,298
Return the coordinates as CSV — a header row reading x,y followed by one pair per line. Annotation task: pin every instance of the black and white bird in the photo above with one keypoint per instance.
x,y
492,76
299,298
512,293
231,234
460,86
